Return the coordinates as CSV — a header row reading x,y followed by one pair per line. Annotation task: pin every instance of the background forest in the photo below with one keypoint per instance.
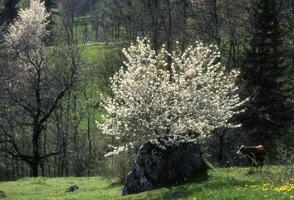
x,y
48,121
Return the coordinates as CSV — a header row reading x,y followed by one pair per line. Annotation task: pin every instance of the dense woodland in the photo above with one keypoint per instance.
x,y
52,88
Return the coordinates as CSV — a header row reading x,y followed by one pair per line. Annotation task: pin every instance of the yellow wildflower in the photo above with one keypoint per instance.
x,y
284,188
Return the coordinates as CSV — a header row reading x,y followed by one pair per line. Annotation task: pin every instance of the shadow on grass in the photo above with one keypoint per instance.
x,y
181,190
199,184
173,191
114,184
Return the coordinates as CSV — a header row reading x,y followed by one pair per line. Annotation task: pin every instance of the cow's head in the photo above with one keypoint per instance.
x,y
239,152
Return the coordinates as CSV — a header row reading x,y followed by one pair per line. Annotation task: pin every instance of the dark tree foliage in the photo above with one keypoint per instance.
x,y
267,76
49,3
10,11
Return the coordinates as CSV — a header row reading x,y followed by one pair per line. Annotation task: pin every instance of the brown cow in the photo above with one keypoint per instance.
x,y
255,155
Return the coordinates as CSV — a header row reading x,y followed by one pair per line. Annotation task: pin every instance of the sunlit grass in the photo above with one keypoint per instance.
x,y
224,183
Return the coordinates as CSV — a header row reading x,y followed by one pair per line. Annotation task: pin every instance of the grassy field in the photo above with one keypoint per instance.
x,y
222,184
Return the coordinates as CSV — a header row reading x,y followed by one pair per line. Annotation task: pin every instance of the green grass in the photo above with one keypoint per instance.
x,y
99,62
94,52
223,184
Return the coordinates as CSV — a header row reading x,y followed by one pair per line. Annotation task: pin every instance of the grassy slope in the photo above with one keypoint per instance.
x,y
227,184
94,52
93,60
93,71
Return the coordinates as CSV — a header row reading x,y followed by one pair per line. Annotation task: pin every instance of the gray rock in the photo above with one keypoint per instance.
x,y
165,161
73,188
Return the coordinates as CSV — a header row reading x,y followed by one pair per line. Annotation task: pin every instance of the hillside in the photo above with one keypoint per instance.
x,y
224,183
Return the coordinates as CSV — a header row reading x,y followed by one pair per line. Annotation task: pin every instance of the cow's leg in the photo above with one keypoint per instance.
x,y
250,164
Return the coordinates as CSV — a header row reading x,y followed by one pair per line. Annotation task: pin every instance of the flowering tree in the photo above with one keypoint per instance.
x,y
37,79
196,94
26,36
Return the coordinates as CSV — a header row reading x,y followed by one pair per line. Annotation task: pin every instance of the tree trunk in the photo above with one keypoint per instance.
x,y
36,150
169,34
215,19
12,170
34,169
153,7
43,164
184,25
221,149
90,144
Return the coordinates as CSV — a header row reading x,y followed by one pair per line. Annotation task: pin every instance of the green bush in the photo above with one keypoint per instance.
x,y
118,166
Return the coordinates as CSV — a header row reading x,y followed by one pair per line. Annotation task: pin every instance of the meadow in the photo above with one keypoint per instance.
x,y
222,184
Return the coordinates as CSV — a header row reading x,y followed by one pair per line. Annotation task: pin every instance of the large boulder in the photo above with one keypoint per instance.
x,y
165,161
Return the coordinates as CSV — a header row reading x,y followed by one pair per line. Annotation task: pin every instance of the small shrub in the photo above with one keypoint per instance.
x,y
118,166
284,161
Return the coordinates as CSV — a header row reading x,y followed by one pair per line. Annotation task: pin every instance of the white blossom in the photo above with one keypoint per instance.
x,y
196,94
26,35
